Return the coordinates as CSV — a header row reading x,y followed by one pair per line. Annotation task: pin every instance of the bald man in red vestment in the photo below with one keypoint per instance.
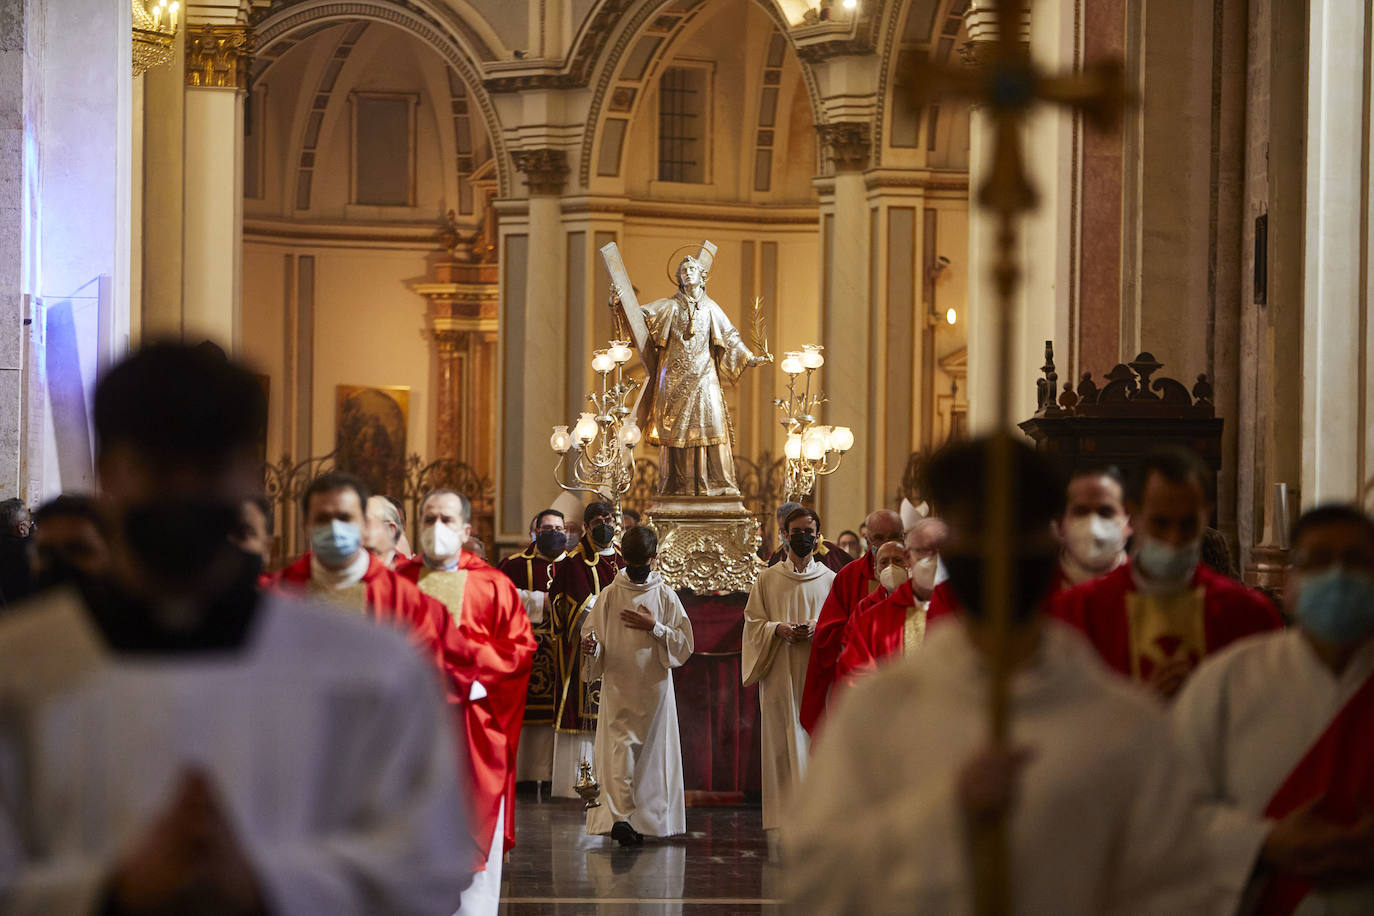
x,y
486,609
896,624
852,585
1155,617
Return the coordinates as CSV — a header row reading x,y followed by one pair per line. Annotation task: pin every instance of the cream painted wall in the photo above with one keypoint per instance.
x,y
367,332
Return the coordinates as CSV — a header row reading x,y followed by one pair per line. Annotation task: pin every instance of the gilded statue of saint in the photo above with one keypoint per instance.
x,y
692,347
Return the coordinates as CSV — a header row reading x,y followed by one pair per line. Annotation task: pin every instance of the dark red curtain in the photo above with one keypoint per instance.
x,y
718,718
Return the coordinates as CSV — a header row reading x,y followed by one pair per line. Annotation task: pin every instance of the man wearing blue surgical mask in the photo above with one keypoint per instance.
x,y
1156,616
1282,730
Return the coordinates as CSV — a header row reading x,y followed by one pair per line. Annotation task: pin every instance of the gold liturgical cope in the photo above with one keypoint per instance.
x,y
914,630
448,587
1165,628
352,599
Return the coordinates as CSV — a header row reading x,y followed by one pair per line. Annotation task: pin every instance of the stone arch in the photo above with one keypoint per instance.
x,y
892,27
278,26
633,16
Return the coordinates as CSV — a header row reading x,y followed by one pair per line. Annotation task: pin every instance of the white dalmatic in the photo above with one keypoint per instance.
x,y
1245,719
781,594
638,751
324,736
1104,816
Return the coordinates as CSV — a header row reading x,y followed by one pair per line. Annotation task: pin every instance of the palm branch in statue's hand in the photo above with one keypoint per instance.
x,y
758,335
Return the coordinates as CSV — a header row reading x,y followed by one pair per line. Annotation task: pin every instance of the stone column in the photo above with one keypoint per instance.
x,y
1041,302
846,323
534,331
1335,359
463,328
217,58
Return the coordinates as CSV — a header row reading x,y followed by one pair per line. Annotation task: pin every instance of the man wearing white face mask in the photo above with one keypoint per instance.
x,y
1093,528
896,625
1155,617
1279,728
485,607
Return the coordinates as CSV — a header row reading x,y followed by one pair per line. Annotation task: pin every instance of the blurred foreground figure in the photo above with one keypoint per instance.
x,y
1282,728
177,741
1100,806
483,606
69,541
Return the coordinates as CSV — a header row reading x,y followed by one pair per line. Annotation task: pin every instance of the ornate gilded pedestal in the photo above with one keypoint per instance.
x,y
706,545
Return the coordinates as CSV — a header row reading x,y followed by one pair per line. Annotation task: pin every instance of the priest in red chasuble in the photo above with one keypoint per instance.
x,y
852,585
1281,729
896,624
589,567
1156,616
340,572
482,603
532,571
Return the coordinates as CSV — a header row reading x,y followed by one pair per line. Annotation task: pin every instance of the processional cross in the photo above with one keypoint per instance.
x,y
1006,84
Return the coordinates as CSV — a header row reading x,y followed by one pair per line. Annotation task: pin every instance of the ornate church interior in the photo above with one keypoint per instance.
x,y
429,228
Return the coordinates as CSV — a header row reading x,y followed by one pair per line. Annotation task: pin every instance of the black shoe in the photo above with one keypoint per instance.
x,y
625,835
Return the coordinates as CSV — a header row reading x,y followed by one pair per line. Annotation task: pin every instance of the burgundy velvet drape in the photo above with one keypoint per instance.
x,y
718,718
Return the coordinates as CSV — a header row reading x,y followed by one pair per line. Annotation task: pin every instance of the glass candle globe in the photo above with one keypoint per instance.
x,y
585,430
811,357
842,439
602,362
561,440
814,444
792,364
630,434
620,351
793,447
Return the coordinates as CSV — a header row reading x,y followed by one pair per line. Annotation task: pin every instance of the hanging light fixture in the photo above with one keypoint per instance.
x,y
155,30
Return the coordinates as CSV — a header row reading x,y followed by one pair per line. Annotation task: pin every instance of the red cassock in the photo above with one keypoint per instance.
x,y
831,555
876,631
852,585
532,573
578,579
492,619
397,602
1230,611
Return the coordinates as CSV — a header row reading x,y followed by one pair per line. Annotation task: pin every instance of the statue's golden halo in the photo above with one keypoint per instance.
x,y
675,258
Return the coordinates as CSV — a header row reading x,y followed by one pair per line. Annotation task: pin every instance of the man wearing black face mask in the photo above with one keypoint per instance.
x,y
589,567
532,572
1101,801
218,702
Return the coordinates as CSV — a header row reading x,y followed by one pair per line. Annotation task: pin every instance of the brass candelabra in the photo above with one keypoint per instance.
x,y
602,441
812,451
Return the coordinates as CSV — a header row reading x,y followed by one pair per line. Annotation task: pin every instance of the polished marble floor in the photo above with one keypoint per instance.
x,y
719,867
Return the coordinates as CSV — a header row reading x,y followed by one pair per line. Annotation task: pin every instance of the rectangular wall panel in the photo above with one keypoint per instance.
x,y
901,312
305,355
578,351
514,265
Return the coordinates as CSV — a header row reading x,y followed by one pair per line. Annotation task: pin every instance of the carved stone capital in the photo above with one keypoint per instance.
x,y
218,56
545,170
848,144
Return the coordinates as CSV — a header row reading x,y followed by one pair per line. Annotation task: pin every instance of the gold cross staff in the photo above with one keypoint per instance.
x,y
1006,85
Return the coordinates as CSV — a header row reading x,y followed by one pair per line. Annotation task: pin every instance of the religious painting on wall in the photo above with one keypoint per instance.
x,y
370,435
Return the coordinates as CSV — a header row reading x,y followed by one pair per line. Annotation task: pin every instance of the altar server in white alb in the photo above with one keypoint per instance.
x,y
779,621
634,636
1282,727
1100,807
174,740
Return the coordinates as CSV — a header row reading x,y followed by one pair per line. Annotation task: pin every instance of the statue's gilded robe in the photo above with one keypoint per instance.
x,y
683,411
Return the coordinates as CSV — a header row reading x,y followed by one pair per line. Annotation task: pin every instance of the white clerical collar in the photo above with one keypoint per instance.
x,y
810,558
443,565
607,552
347,577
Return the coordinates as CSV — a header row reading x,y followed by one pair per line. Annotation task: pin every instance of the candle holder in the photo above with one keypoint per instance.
x,y
811,451
597,454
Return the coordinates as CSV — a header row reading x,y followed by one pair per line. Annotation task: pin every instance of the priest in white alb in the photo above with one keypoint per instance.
x,y
1099,805
778,623
1281,726
636,633
176,741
